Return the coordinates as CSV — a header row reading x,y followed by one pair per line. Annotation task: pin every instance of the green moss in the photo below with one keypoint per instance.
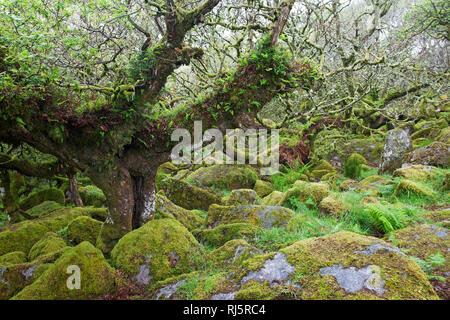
x,y
263,188
232,253
84,229
305,190
408,187
50,243
224,176
97,277
38,197
417,172
44,208
423,241
322,168
226,232
332,205
22,236
241,196
273,199
189,196
14,257
446,182
262,216
92,196
353,165
373,180
165,208
394,276
162,248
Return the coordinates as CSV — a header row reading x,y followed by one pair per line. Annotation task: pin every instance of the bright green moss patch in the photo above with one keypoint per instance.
x,y
44,208
232,253
22,236
38,197
226,232
14,257
50,243
92,196
164,208
84,229
97,277
263,188
407,188
159,249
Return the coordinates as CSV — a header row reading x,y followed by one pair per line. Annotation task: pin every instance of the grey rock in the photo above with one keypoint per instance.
x,y
398,142
224,296
378,246
168,291
274,270
353,280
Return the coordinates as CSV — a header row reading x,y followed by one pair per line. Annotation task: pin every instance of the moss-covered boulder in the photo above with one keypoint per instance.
x,y
416,172
322,168
159,249
262,216
50,243
165,208
303,191
434,154
343,265
96,277
241,196
14,257
263,188
38,197
84,229
92,196
189,196
408,187
423,241
15,277
273,199
438,217
373,181
223,176
44,208
398,142
332,205
232,253
223,233
22,236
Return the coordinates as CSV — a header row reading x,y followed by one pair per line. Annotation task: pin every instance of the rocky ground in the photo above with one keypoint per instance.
x,y
373,227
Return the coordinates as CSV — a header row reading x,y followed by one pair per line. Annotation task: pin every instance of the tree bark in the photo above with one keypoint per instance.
x,y
73,190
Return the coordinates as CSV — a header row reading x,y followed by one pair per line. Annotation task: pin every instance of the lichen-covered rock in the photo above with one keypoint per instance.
x,y
96,277
159,249
407,187
241,196
332,205
273,199
50,243
84,229
307,190
262,216
189,196
263,188
232,253
223,233
22,236
434,154
322,168
427,243
38,197
223,176
14,257
167,209
416,172
343,265
92,196
423,241
398,142
14,277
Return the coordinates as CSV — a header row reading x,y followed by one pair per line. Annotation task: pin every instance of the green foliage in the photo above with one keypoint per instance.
x,y
430,264
353,166
284,180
